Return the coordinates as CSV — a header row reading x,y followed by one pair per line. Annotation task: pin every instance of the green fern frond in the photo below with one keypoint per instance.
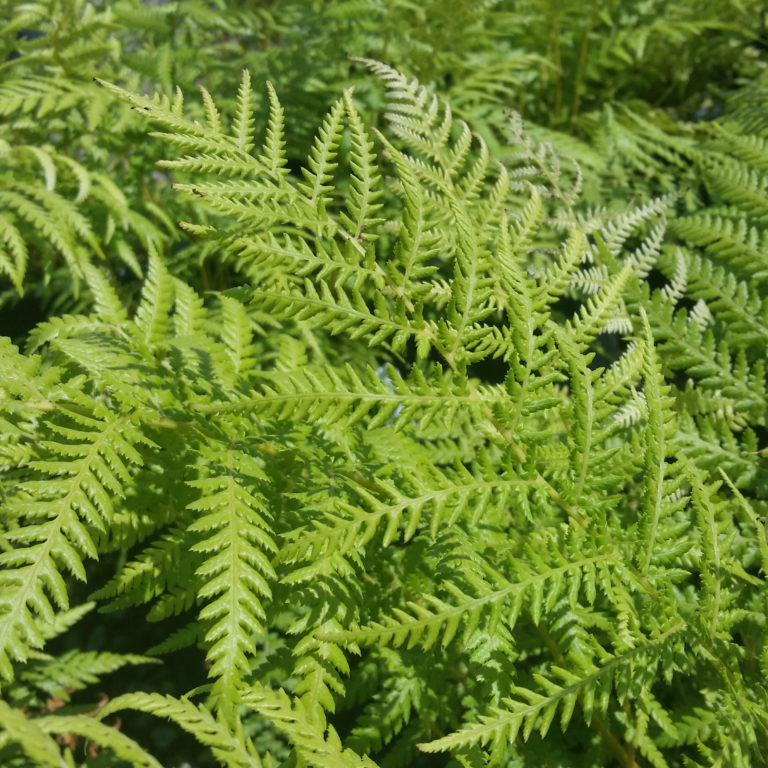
x,y
590,686
40,95
14,254
686,346
313,743
320,663
733,302
387,715
364,191
539,586
346,312
440,496
330,395
231,749
402,444
737,184
37,744
156,302
273,156
73,671
138,583
729,239
236,572
243,122
322,160
83,464
659,487
100,734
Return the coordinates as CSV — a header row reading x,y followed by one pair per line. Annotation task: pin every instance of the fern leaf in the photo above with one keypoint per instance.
x,y
86,462
734,302
37,745
236,570
433,619
96,732
313,743
73,670
346,312
441,497
533,710
327,394
737,184
273,152
13,254
231,749
108,306
322,160
243,123
729,239
153,313
237,335
659,496
364,189
213,119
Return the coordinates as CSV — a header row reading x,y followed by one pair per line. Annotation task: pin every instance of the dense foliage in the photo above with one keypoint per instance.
x,y
405,413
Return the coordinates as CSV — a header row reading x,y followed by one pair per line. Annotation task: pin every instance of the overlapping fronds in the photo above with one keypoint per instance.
x,y
231,749
442,422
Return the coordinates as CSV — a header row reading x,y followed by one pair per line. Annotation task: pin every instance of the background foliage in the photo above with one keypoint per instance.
x,y
335,432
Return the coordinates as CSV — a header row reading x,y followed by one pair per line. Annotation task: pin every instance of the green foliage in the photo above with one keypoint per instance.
x,y
427,434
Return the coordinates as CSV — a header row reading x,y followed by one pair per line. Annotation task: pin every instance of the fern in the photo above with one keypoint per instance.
x,y
239,572
410,450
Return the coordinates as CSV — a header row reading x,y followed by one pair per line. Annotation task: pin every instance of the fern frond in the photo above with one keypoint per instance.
x,y
231,749
154,309
320,663
37,745
273,155
98,733
447,420
107,305
685,346
292,255
590,686
660,429
322,160
387,715
762,541
330,395
737,184
751,149
440,496
243,122
14,254
138,581
538,587
675,290
74,670
729,239
364,191
40,95
85,463
619,228
346,312
237,335
599,309
730,301
313,743
236,569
